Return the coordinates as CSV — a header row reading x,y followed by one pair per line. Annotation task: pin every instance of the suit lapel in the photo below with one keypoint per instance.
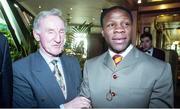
x,y
130,59
108,61
154,54
43,73
63,62
67,77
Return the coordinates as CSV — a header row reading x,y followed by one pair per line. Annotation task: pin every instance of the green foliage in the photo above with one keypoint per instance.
x,y
15,54
77,50
82,28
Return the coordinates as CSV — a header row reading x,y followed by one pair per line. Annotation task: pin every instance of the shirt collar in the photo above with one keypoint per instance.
x,y
47,59
150,51
123,54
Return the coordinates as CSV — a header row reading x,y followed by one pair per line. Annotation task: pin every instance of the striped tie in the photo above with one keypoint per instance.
x,y
117,59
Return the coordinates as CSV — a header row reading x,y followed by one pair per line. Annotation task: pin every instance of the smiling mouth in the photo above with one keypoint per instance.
x,y
57,45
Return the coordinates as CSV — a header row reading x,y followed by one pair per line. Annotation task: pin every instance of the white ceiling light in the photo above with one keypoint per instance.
x,y
139,1
39,7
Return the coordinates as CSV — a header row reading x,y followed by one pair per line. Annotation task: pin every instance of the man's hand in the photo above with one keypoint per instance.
x,y
78,102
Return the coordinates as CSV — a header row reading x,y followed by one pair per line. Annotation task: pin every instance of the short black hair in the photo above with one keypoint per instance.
x,y
107,10
146,34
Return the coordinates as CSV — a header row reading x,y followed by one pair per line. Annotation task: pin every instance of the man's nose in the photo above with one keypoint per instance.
x,y
119,28
58,37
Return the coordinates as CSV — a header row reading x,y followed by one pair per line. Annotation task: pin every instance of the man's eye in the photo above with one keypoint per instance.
x,y
62,31
126,24
147,41
50,32
110,25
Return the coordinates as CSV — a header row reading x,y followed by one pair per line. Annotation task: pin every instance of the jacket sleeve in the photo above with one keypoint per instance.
x,y
6,74
162,93
85,90
22,92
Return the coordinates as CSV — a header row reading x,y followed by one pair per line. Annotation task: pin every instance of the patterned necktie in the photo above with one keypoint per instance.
x,y
117,59
59,77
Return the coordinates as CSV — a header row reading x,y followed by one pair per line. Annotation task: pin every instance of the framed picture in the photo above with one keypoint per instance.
x,y
147,29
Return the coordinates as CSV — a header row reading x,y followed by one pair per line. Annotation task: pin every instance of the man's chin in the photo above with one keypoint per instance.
x,y
118,50
57,54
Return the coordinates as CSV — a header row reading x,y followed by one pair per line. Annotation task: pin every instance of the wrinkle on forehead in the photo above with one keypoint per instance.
x,y
52,22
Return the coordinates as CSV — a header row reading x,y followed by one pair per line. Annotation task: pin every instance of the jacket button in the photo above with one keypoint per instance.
x,y
115,76
113,94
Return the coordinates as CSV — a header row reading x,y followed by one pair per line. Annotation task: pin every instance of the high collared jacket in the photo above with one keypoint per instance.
x,y
138,81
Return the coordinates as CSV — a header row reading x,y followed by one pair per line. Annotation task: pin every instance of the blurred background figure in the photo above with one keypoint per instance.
x,y
5,73
147,47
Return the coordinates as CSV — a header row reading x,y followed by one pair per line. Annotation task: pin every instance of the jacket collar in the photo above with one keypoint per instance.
x,y
130,59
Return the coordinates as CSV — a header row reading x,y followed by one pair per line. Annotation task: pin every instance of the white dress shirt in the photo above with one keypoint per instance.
x,y
150,51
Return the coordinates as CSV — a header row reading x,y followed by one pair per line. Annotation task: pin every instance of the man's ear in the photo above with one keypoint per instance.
x,y
102,32
36,35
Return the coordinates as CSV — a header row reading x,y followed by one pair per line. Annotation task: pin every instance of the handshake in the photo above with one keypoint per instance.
x,y
79,102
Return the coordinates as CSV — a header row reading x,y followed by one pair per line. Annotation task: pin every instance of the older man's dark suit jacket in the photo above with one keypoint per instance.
x,y
5,73
34,84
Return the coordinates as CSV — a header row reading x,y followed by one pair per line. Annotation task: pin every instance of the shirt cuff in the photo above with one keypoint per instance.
x,y
61,106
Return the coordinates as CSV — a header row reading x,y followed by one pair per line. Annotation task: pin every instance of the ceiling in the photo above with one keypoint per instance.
x,y
78,11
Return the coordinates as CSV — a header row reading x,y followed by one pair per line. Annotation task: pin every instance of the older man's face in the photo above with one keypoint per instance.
x,y
51,35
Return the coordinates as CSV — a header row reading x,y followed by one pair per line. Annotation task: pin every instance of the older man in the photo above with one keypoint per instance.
x,y
48,78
